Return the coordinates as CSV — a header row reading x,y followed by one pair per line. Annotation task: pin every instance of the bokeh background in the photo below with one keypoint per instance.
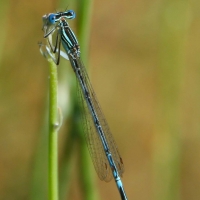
x,y
144,65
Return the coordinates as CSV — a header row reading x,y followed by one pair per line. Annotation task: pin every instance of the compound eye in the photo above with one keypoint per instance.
x,y
70,14
52,18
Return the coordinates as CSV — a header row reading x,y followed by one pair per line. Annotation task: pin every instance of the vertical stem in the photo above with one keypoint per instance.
x,y
83,29
3,20
168,146
83,25
39,183
53,133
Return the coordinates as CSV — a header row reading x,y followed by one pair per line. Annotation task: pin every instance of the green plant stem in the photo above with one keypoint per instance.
x,y
53,133
67,164
168,144
3,20
39,181
83,27
87,179
86,170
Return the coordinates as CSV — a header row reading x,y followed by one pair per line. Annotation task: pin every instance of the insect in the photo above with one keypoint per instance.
x,y
102,147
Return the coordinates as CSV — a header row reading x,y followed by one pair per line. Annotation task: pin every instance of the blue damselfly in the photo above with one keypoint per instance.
x,y
102,147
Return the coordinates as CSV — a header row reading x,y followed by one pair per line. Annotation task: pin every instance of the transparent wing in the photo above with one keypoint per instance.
x,y
93,140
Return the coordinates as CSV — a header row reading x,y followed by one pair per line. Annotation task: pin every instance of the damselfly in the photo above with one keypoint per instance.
x,y
103,150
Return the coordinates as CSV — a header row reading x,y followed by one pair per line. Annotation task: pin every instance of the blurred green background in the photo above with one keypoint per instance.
x,y
144,66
